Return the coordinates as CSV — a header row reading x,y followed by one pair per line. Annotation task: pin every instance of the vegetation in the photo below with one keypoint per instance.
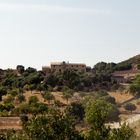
x,y
57,120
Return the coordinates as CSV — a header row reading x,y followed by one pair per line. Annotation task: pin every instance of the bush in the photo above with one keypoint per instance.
x,y
134,87
57,103
41,108
100,93
9,106
23,109
8,99
76,110
21,98
2,107
32,100
48,96
109,99
113,114
13,92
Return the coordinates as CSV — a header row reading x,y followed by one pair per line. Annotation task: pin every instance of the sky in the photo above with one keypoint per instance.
x,y
36,32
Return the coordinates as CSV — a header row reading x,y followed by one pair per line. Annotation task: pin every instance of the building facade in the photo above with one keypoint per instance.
x,y
62,66
59,67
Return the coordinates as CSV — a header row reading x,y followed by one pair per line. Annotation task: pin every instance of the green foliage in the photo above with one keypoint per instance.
x,y
33,108
113,114
20,69
123,66
138,66
13,92
33,100
137,80
103,67
76,110
48,96
3,91
109,99
20,98
100,108
9,99
96,114
6,107
99,94
13,135
67,93
135,89
124,133
55,126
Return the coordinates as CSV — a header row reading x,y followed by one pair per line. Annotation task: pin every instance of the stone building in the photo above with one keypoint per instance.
x,y
58,67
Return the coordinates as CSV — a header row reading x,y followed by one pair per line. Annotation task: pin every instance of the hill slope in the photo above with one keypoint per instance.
x,y
126,65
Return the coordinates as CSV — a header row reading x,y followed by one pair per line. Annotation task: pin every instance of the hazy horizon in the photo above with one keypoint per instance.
x,y
37,32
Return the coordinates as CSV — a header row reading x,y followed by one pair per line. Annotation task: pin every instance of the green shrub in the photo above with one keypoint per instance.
x,y
9,99
109,99
48,96
9,106
21,98
32,100
13,92
23,109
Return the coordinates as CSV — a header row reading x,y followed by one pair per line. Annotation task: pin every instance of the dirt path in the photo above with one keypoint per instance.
x,y
7,123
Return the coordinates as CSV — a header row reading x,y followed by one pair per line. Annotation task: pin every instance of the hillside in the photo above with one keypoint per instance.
x,y
135,59
126,65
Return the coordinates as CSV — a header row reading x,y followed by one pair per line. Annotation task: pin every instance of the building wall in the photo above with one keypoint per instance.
x,y
60,67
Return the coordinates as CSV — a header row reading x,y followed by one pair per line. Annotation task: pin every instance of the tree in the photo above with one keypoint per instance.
x,y
31,87
33,100
30,70
113,114
48,96
67,93
76,110
130,107
109,99
40,87
53,126
96,114
2,92
21,98
134,89
71,79
20,69
124,133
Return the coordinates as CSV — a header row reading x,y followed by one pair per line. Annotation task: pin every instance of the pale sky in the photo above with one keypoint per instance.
x,y
37,32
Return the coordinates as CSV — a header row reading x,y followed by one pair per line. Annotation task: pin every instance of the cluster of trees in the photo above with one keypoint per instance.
x,y
134,87
49,122
58,125
31,79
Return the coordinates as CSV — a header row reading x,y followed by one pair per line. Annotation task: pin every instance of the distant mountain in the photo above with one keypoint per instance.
x,y
127,64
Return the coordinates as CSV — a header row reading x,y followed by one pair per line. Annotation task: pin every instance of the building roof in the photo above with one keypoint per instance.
x,y
121,73
60,63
